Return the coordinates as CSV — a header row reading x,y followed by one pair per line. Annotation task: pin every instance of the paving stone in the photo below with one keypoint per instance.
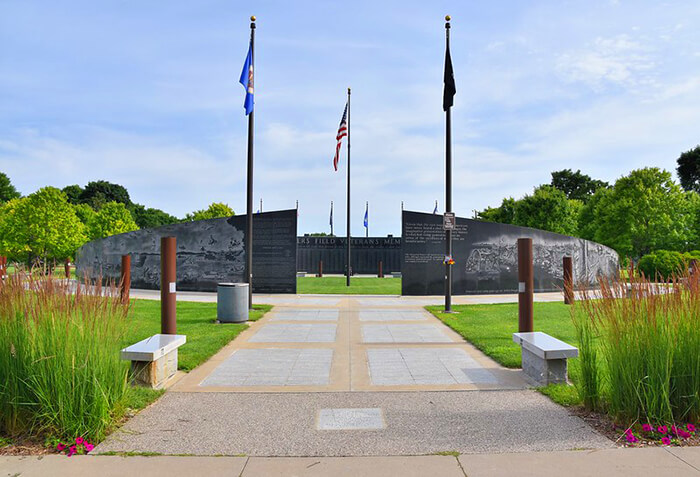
x,y
404,334
305,315
408,366
273,367
392,315
295,333
348,419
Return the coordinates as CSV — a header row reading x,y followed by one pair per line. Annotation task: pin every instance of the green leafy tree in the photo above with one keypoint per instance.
x,y
7,190
644,211
98,193
215,210
73,193
148,217
575,185
40,227
503,214
689,169
588,220
547,209
113,218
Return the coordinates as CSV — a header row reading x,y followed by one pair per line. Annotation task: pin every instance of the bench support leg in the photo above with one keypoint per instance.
x,y
154,374
544,371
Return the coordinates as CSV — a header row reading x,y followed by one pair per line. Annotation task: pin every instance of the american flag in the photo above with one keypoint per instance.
x,y
342,132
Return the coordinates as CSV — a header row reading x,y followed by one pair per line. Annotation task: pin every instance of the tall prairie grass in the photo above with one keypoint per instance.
x,y
640,348
60,372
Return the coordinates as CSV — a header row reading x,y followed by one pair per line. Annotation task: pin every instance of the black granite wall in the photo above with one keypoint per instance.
x,y
486,257
365,254
208,252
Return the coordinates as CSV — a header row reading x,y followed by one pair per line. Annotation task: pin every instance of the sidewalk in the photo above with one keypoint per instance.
x,y
679,462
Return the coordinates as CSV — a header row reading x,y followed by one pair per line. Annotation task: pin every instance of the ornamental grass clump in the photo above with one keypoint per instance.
x,y
647,348
60,372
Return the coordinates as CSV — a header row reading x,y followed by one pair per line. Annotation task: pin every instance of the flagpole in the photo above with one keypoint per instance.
x,y
448,185
249,225
331,218
347,271
367,215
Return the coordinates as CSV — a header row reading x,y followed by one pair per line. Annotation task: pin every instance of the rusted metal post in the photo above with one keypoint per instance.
x,y
525,285
168,276
568,280
320,268
381,271
125,278
3,267
66,266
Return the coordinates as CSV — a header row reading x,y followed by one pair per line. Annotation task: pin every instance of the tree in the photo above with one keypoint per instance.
x,y
98,193
588,215
503,214
575,185
147,218
7,190
73,193
113,218
40,227
689,169
547,209
644,211
215,210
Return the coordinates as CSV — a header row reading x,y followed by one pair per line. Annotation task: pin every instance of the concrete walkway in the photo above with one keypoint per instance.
x,y
351,376
679,462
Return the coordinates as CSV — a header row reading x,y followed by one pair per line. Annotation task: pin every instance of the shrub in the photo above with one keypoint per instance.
x,y
662,264
59,357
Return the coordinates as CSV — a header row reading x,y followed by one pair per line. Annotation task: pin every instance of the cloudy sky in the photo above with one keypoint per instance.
x,y
146,94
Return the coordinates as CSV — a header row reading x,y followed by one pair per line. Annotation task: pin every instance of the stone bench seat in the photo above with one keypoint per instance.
x,y
544,357
153,360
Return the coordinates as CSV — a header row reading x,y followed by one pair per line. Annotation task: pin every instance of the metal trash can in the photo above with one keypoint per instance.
x,y
232,302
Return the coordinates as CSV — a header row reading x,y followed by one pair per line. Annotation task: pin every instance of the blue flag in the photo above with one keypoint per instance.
x,y
247,81
367,216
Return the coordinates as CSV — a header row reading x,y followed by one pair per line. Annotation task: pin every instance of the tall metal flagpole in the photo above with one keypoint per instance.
x,y
249,224
367,215
448,166
331,218
347,272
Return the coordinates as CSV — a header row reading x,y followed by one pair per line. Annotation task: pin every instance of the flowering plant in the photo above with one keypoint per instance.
x,y
81,446
662,434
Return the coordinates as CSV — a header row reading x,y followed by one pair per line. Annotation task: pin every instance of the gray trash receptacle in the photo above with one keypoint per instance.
x,y
232,302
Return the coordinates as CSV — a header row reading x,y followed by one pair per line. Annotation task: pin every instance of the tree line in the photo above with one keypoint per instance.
x,y
640,213
51,223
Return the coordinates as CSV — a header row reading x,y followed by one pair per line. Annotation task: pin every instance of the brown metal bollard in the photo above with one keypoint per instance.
x,y
568,280
381,271
168,278
525,285
3,267
66,267
320,268
125,278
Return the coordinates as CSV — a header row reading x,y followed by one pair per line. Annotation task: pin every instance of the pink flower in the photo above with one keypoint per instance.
x,y
683,433
647,427
89,447
690,427
60,447
79,440
71,451
666,441
630,438
662,429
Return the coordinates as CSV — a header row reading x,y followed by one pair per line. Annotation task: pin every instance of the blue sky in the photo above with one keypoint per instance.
x,y
146,94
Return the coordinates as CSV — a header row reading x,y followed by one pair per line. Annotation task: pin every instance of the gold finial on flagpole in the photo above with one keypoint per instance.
x,y
252,18
448,18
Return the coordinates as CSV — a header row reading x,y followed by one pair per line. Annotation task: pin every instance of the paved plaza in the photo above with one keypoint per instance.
x,y
351,376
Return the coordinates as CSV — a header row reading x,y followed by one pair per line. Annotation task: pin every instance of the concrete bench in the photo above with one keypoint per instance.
x,y
154,360
544,357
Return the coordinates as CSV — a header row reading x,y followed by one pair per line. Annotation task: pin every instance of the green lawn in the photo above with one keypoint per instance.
x,y
490,328
195,320
358,286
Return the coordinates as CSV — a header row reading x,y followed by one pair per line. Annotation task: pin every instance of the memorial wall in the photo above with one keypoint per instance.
x,y
486,258
365,255
208,252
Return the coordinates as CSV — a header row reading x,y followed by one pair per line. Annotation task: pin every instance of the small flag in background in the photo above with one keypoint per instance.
x,y
247,81
367,215
450,88
342,132
435,209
